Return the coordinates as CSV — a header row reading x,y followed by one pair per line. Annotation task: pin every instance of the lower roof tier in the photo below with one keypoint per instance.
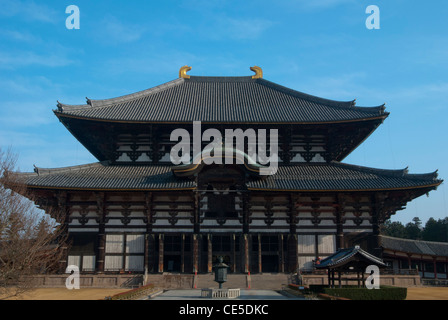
x,y
334,176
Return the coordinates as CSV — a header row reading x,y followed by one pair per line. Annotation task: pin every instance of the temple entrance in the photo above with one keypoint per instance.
x,y
269,263
172,263
222,246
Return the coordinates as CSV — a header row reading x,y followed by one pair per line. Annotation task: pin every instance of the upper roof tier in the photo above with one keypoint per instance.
x,y
249,99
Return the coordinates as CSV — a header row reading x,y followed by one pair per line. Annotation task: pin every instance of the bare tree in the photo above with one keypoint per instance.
x,y
29,239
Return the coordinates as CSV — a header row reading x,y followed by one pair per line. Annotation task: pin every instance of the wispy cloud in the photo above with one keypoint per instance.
x,y
243,29
11,60
28,11
321,4
19,36
111,30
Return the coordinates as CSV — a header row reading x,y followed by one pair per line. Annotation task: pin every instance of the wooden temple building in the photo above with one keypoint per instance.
x,y
135,211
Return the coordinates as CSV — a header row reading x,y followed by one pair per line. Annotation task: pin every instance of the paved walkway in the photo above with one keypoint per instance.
x,y
195,294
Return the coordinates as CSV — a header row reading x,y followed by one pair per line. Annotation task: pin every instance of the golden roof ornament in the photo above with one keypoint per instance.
x,y
183,72
258,72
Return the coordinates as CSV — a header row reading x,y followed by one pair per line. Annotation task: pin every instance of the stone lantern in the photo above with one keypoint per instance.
x,y
220,272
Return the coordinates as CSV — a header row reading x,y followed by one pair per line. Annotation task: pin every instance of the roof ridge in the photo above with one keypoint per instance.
x,y
96,103
48,171
391,172
412,240
306,96
220,79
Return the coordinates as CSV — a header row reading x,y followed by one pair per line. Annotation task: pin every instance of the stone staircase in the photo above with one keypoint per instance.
x,y
271,281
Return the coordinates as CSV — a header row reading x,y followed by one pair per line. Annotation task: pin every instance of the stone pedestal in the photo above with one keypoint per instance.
x,y
220,293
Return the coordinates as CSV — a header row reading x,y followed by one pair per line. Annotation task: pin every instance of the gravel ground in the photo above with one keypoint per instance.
x,y
414,293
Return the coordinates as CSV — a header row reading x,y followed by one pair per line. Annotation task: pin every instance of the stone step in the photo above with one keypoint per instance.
x,y
266,281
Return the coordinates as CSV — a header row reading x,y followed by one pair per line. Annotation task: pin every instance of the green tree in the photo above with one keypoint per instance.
x,y
413,229
393,229
436,230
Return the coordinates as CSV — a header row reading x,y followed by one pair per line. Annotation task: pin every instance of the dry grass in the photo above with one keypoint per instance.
x,y
427,293
65,294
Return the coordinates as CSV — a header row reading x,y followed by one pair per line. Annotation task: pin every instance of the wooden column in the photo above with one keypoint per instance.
x,y
146,254
339,279
281,254
435,267
149,237
339,223
293,214
101,212
246,213
260,268
64,214
376,212
101,250
195,253
245,240
197,213
209,254
446,267
182,253
161,252
232,244
292,252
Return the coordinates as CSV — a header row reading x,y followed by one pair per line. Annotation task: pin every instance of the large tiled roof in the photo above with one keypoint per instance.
x,y
340,176
102,176
306,177
220,100
415,246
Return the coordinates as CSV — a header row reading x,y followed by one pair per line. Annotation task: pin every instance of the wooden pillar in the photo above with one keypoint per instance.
x,y
246,213
182,253
329,277
146,254
209,253
232,244
362,278
197,214
332,278
435,267
358,279
339,225
195,253
376,214
281,254
246,253
292,252
260,268
101,213
64,214
151,253
101,250
149,238
293,214
339,279
161,252
446,267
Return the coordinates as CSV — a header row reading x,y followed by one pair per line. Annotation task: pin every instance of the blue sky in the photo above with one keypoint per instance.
x,y
320,47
